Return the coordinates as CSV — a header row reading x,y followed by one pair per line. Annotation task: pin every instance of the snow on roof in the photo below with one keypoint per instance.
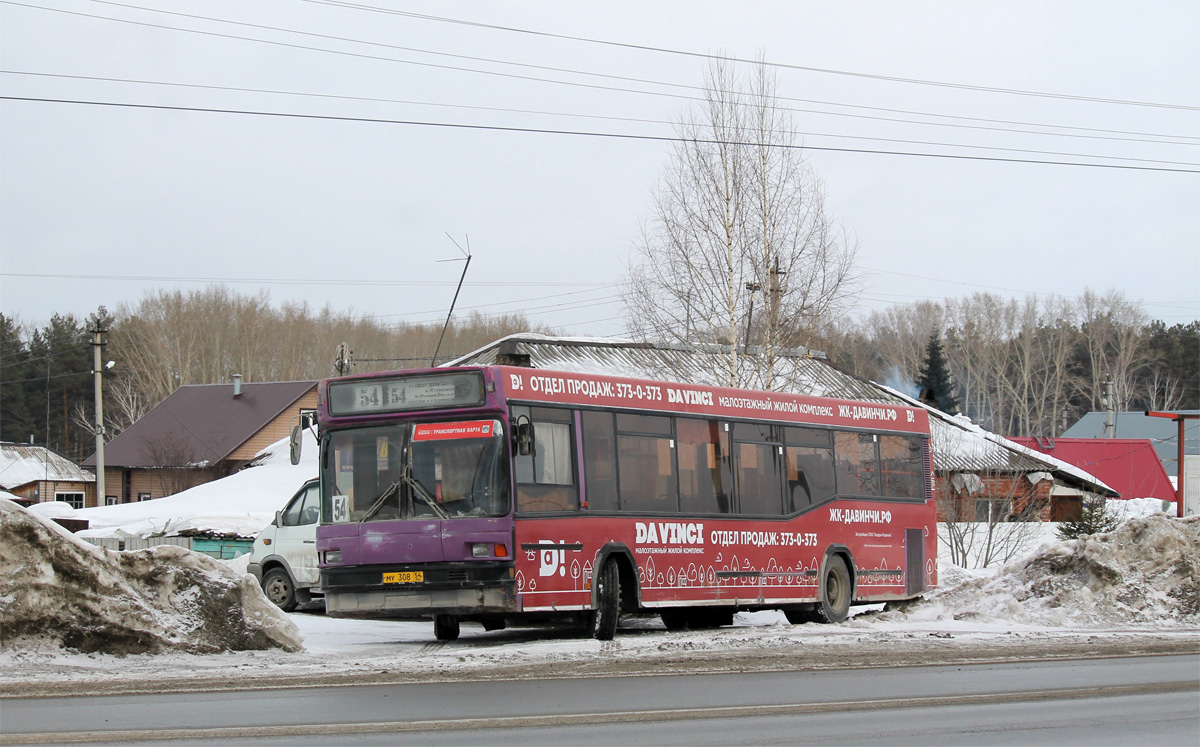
x,y
21,464
238,505
958,445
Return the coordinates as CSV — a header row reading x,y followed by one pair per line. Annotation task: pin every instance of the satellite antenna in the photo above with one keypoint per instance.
x,y
466,253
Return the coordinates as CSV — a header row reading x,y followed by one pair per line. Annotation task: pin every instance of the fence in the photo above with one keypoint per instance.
x,y
222,549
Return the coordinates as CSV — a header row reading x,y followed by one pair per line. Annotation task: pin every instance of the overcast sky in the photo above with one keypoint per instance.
x,y
99,204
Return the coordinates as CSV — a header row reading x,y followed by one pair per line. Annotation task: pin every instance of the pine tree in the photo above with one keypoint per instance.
x,y
1094,519
934,376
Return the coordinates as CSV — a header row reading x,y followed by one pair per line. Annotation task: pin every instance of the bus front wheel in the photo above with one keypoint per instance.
x,y
602,622
445,627
834,603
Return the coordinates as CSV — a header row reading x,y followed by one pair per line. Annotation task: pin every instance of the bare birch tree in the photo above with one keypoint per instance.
x,y
739,218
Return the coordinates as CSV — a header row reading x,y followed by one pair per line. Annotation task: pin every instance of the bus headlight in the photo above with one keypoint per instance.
x,y
333,557
481,550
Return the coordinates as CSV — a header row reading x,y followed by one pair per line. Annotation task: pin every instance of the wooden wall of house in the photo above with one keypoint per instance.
x,y
44,490
280,427
153,482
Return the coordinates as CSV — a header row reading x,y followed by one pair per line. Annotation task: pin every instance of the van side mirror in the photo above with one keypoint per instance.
x,y
295,444
523,435
278,519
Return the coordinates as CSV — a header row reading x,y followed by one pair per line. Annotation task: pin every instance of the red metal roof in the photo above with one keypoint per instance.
x,y
1128,465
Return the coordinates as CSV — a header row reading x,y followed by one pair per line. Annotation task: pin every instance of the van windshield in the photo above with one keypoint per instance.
x,y
416,471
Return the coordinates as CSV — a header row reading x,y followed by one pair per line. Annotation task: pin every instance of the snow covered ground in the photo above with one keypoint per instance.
x,y
1134,590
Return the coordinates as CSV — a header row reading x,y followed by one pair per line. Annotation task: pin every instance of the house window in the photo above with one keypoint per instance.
x,y
993,510
75,499
110,500
143,497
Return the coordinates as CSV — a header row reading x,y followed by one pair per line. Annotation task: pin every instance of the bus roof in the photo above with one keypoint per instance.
x,y
559,387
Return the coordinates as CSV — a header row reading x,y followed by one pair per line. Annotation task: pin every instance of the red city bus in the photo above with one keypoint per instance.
x,y
490,493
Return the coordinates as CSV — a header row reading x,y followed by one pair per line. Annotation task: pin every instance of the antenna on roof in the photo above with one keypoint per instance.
x,y
467,253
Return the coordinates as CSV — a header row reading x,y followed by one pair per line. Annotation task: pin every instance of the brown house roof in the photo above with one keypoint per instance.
x,y
200,425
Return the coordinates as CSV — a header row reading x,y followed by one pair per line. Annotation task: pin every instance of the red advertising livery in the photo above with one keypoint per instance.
x,y
484,494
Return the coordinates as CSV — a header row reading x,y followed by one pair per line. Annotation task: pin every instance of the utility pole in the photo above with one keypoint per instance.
x,y
774,334
1110,404
753,288
98,342
341,364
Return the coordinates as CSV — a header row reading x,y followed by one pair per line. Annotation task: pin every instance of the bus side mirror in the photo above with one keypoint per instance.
x,y
295,444
523,434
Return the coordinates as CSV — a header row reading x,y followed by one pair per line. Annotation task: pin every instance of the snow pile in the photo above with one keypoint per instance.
x,y
239,505
1143,573
57,591
1134,508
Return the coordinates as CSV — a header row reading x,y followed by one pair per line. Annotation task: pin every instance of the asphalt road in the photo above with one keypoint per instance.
x,y
1142,700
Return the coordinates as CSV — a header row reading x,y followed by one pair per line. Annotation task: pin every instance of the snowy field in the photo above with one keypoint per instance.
x,y
1132,591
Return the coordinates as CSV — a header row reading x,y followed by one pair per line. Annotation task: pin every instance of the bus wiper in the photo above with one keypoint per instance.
x,y
381,501
419,490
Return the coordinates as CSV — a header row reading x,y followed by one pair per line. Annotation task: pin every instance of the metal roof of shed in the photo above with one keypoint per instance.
x,y
21,464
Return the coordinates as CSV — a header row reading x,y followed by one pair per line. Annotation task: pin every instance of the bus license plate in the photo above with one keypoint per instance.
x,y
404,577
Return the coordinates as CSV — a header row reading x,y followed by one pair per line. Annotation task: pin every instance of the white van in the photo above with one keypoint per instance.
x,y
284,556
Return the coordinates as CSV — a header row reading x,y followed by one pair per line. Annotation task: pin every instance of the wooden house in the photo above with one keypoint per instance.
x,y
36,474
198,434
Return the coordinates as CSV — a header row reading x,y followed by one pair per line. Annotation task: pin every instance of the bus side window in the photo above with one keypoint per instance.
x,y
810,477
646,463
705,477
903,465
759,485
857,463
600,460
546,478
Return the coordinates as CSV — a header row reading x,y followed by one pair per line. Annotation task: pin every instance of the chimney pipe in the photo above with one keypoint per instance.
x,y
237,385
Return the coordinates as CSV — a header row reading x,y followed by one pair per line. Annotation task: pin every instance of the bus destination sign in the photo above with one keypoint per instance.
x,y
402,393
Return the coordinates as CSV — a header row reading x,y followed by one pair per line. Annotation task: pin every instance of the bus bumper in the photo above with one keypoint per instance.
x,y
466,589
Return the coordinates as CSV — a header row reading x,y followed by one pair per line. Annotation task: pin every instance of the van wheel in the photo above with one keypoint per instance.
x,y
278,587
602,622
445,627
834,604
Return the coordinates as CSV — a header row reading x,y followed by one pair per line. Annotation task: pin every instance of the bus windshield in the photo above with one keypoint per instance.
x,y
416,471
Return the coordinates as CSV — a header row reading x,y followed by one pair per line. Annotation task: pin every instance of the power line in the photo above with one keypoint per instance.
x,y
295,281
572,72
664,122
780,65
583,133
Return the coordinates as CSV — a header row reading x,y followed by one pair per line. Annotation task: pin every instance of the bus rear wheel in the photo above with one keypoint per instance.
x,y
445,627
836,590
602,621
